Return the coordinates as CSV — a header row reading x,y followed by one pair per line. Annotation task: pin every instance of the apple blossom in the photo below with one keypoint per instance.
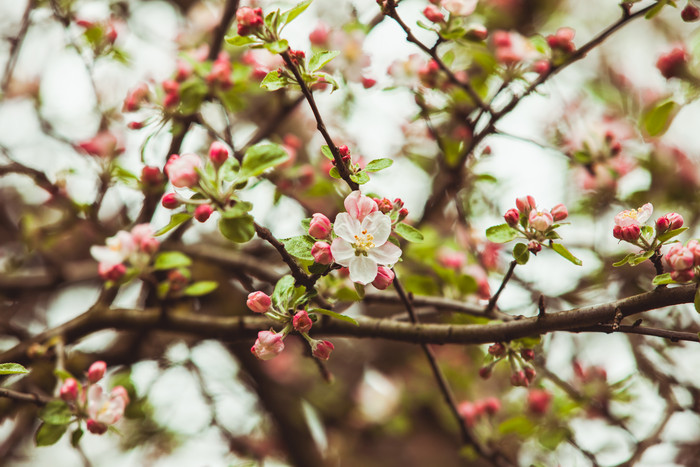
x,y
110,271
322,349
540,220
104,144
512,216
202,212
673,64
152,176
105,409
525,204
559,212
218,153
460,7
96,371
249,20
384,279
181,170
320,226
679,257
469,413
363,239
321,251
259,302
117,249
268,345
670,221
433,14
170,201
135,98
628,223
302,322
69,390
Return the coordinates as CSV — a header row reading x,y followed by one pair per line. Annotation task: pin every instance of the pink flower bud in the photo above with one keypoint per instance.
x,y
683,276
203,212
259,302
344,152
268,345
321,251
452,259
111,272
559,212
534,247
69,390
694,246
690,13
385,277
96,428
676,220
527,354
562,40
469,413
617,232
497,349
673,64
477,32
662,224
485,372
249,20
540,220
525,204
384,205
177,280
319,36
181,170
302,322
104,144
679,257
538,401
530,374
512,216
433,14
218,153
541,67
170,86
631,233
322,349
403,212
96,371
170,201
368,82
518,378
135,98
183,71
492,405
152,176
320,226
171,100
135,125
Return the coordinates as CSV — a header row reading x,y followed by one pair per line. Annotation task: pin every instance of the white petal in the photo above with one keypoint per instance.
x,y
342,251
386,254
362,269
346,227
103,254
351,203
378,225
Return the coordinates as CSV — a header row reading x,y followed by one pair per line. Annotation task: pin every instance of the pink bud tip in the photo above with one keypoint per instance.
x,y
96,371
218,153
170,201
302,322
690,13
433,14
538,401
559,212
152,176
384,279
96,428
259,302
203,212
320,226
322,349
497,349
69,390
512,216
321,251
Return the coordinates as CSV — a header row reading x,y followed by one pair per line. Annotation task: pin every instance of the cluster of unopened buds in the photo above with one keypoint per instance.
x,y
359,239
536,224
684,261
522,371
89,400
126,249
269,344
471,412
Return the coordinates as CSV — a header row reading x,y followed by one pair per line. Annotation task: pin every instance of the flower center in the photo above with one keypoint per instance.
x,y
631,214
364,242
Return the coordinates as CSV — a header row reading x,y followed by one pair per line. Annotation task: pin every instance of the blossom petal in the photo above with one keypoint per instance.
x,y
387,254
346,227
103,254
378,225
362,269
342,251
644,213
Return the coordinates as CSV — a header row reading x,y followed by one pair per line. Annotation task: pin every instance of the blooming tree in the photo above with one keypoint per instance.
x,y
301,227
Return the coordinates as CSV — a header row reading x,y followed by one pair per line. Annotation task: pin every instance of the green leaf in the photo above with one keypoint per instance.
x,y
284,289
409,232
656,9
261,157
240,209
326,151
56,412
564,253
520,424
335,315
273,81
360,178
321,77
521,253
171,260
334,172
640,258
277,47
624,260
320,59
347,294
696,302
501,233
48,434
239,41
12,369
289,15
237,229
62,374
670,234
200,288
75,437
378,164
175,220
299,247
657,120
663,279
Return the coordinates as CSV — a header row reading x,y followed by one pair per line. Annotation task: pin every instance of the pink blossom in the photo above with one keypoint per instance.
x,y
143,236
320,226
512,217
525,204
302,322
562,40
104,144
249,20
384,279
259,302
670,221
181,170
69,390
634,216
105,409
319,36
96,371
268,345
357,205
538,401
469,413
322,349
559,212
218,153
203,212
110,271
679,257
540,220
321,251
135,98
117,249
460,7
673,64
433,14
221,71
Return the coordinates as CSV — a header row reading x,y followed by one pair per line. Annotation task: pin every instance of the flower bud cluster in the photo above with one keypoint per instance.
x,y
471,412
89,401
134,248
683,261
628,224
536,224
522,371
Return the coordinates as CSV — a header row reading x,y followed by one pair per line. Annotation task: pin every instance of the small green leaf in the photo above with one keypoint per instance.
x,y
360,178
326,151
663,279
320,59
75,437
12,369
409,232
670,234
261,157
640,258
48,434
335,315
171,260
277,47
56,412
240,209
334,172
647,230
501,233
624,260
519,424
656,9
378,164
521,253
284,290
273,81
657,120
347,294
200,288
289,15
299,247
696,302
237,229
175,220
239,41
564,253
321,77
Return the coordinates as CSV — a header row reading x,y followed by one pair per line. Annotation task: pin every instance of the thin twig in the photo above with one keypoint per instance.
x,y
25,396
492,302
15,46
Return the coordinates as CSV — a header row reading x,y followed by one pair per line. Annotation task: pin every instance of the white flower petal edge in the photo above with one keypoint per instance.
x,y
346,227
362,269
387,254
342,252
379,225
